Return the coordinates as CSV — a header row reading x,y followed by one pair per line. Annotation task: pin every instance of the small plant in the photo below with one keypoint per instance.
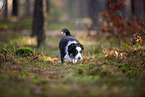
x,y
2,58
81,71
4,54
130,70
24,52
136,39
95,71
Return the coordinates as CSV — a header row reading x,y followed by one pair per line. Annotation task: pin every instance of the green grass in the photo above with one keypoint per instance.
x,y
26,23
100,76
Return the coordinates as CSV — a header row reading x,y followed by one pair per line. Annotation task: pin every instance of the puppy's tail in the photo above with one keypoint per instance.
x,y
66,31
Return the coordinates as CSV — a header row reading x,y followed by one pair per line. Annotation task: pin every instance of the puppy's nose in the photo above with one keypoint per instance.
x,y
79,57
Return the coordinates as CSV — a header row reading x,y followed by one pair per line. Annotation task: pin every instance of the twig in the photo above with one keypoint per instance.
x,y
34,59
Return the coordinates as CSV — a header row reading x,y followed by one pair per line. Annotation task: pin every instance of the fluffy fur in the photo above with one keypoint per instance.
x,y
70,48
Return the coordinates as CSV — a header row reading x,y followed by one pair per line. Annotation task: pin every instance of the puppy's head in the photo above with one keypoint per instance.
x,y
75,51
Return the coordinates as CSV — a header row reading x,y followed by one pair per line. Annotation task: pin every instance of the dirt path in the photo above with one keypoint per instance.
x,y
58,32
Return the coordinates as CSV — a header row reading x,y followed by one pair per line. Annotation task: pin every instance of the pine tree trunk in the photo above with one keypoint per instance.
x,y
39,21
15,8
6,10
94,12
28,8
34,26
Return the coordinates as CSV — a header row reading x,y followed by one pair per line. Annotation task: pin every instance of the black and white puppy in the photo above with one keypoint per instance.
x,y
70,48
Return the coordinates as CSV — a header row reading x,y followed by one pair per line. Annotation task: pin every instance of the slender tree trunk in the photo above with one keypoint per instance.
x,y
15,8
94,12
137,7
47,5
28,8
39,22
6,10
34,26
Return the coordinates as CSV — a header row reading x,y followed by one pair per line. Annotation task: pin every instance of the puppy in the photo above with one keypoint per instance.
x,y
70,48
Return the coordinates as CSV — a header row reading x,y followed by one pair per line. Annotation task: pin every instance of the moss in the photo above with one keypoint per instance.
x,y
24,52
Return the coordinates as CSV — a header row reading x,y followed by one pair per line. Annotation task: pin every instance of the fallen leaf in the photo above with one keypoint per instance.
x,y
85,60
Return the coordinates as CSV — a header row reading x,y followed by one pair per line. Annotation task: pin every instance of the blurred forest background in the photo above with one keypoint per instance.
x,y
116,17
75,13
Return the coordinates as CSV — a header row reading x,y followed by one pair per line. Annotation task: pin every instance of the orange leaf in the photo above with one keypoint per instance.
x,y
85,60
141,41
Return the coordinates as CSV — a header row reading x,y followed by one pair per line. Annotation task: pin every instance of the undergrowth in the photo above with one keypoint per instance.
x,y
107,71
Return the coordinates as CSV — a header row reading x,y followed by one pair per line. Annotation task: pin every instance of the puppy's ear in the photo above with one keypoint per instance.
x,y
82,47
71,47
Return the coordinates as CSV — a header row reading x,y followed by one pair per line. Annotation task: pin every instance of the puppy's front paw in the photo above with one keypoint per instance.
x,y
75,61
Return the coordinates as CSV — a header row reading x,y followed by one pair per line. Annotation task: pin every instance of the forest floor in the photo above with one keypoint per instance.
x,y
106,70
